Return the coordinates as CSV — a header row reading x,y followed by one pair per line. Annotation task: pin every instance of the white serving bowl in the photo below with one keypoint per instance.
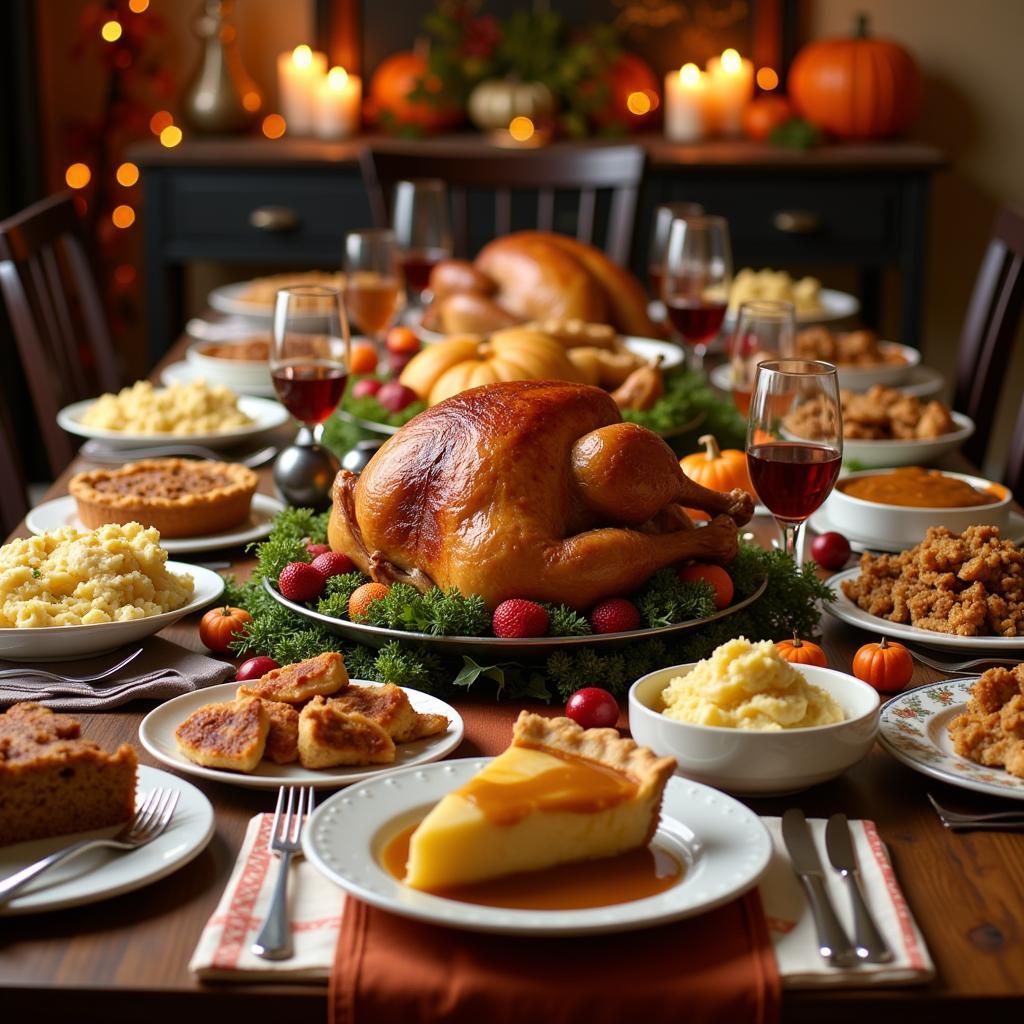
x,y
912,452
758,763
860,378
235,373
906,525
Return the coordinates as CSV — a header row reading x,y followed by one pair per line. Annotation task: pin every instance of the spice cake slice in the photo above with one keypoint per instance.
x,y
232,735
329,737
295,684
53,782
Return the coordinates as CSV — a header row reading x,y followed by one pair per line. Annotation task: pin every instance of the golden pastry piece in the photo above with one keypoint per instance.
x,y
328,738
231,736
179,497
386,705
427,725
295,684
558,794
283,737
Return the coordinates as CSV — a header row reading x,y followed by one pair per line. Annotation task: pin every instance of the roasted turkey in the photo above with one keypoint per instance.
x,y
530,489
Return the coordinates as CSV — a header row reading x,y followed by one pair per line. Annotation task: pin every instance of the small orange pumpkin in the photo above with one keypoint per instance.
x,y
761,116
389,103
717,469
219,626
859,88
801,652
886,666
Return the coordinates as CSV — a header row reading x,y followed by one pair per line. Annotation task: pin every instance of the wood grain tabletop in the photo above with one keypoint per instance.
x,y
126,959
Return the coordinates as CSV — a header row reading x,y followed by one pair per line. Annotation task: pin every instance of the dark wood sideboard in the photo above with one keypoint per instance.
x,y
289,202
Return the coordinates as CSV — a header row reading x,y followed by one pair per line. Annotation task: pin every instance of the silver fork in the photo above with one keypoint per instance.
x,y
274,941
98,453
17,673
959,666
151,818
957,820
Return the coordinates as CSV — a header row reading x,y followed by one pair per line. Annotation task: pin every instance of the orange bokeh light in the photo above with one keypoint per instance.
x,y
638,103
138,6
77,176
170,136
127,174
520,128
252,100
767,79
123,216
160,120
274,126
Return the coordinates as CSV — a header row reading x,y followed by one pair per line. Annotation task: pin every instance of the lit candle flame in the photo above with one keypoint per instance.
x,y
302,56
337,78
689,74
731,61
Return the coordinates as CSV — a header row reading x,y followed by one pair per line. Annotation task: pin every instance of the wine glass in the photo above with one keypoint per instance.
x,y
794,441
698,275
664,214
374,287
765,329
423,230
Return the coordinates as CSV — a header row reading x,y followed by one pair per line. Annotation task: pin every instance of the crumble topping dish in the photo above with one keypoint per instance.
x,y
990,730
192,408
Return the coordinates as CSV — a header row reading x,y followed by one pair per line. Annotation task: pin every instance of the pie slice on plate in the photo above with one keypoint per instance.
x,y
558,794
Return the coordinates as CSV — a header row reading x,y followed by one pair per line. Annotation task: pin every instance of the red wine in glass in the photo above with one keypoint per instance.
x,y
417,265
697,320
310,391
793,478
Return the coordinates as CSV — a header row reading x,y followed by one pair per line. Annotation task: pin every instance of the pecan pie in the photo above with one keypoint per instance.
x,y
180,497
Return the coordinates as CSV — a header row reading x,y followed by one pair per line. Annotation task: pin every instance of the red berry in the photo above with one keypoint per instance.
x,y
299,581
616,615
365,388
332,563
830,550
395,396
317,549
518,618
254,668
593,708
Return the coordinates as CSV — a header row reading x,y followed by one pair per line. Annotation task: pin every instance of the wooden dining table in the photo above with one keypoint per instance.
x,y
126,959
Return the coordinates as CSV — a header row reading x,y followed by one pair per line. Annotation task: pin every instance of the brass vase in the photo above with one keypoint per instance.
x,y
221,98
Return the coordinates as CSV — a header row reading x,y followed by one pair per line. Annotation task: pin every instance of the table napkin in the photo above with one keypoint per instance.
x,y
162,670
792,927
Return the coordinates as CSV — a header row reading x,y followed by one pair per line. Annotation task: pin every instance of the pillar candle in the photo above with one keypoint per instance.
x,y
685,104
339,96
730,88
298,75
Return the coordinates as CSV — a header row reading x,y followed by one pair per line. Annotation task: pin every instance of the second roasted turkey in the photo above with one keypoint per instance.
x,y
528,489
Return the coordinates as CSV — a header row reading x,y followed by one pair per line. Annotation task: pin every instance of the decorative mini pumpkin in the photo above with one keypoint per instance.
x,y
887,666
389,103
494,102
801,652
717,469
761,116
219,626
859,88
629,74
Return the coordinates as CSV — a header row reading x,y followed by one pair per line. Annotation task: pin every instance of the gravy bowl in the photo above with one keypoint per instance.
x,y
749,763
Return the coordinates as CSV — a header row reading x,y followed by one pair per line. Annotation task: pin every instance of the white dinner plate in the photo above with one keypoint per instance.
x,y
102,873
185,373
60,512
724,846
846,610
228,298
156,733
651,348
913,728
61,643
835,305
266,415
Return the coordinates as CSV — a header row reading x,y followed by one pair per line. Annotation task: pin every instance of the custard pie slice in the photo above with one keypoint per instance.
x,y
558,794
180,497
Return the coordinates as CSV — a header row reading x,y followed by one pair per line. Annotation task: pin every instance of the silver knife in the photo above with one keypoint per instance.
x,y
833,943
871,946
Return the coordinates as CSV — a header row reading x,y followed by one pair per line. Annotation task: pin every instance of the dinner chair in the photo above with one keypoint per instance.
x,y
1013,474
617,170
56,313
13,491
990,326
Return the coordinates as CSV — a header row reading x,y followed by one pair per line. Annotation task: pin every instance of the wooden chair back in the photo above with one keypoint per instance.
x,y
618,170
13,491
1013,474
990,326
56,314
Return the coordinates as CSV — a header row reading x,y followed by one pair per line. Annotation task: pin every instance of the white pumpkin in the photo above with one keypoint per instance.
x,y
495,101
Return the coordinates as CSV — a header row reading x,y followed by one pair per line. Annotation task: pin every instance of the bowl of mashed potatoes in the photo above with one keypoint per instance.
x,y
746,721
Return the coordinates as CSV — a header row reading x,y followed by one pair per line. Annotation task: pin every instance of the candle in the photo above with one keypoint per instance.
x,y
338,99
298,75
730,88
685,104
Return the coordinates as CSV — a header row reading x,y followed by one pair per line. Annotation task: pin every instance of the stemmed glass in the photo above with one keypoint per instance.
x,y
698,275
664,214
794,441
423,230
374,286
310,356
765,329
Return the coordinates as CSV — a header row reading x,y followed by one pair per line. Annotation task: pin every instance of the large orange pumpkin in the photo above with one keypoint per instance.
x,y
629,74
858,88
395,78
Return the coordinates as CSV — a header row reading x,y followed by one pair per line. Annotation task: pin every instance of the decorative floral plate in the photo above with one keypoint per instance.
x,y
913,728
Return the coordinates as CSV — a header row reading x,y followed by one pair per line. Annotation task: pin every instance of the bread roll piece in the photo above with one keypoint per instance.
x,y
450,276
472,313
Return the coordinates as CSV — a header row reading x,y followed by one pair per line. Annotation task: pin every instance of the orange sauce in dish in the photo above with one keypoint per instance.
x,y
629,876
915,487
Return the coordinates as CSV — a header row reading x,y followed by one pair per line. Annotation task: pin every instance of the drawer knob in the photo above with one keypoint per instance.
x,y
797,222
274,218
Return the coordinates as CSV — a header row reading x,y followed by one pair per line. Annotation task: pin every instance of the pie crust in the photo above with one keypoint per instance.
x,y
179,497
